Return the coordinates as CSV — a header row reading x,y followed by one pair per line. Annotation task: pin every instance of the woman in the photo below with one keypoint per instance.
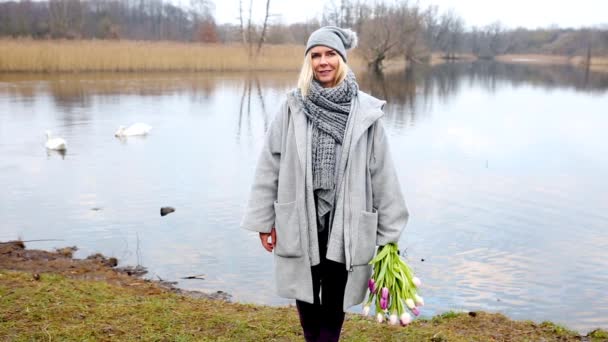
x,y
325,192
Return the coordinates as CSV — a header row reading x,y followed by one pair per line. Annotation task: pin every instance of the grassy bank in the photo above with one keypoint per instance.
x,y
48,295
54,307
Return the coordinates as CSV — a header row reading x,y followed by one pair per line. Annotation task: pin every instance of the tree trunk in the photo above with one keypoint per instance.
x,y
263,36
376,64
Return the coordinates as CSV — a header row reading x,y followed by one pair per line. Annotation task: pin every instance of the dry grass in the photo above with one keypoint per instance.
x,y
26,55
533,59
597,63
53,56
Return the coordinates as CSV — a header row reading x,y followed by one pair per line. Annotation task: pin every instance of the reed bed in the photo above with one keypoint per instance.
x,y
27,55
599,64
596,64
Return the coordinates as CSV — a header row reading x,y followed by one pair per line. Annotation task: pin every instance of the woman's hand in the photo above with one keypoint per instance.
x,y
269,245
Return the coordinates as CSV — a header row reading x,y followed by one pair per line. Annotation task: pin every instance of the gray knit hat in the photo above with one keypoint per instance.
x,y
333,37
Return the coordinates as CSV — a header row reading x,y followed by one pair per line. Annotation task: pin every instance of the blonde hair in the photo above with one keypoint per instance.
x,y
307,73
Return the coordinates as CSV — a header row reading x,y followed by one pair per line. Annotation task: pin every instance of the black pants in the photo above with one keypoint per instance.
x,y
322,321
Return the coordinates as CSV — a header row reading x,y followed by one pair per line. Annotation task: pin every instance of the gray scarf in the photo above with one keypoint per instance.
x,y
327,109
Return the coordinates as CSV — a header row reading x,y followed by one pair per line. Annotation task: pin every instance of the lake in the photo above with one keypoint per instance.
x,y
503,168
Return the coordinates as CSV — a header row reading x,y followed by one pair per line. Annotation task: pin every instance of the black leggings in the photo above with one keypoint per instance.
x,y
323,322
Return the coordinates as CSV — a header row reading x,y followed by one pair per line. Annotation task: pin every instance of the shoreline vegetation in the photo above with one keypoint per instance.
x,y
59,56
51,295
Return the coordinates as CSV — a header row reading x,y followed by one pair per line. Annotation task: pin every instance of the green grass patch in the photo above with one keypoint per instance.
x,y
556,329
598,335
446,316
64,309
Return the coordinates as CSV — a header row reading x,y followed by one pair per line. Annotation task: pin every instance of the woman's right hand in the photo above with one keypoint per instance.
x,y
269,245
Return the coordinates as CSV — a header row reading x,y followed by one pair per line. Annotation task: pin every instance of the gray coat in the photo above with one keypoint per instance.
x,y
369,206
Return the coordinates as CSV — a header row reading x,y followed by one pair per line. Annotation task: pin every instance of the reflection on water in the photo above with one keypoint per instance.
x,y
502,167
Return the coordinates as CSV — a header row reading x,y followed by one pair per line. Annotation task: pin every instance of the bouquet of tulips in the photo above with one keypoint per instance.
x,y
393,288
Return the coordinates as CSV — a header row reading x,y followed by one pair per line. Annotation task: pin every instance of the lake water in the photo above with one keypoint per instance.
x,y
503,168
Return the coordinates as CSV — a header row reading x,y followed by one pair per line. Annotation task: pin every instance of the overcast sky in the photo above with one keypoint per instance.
x,y
511,13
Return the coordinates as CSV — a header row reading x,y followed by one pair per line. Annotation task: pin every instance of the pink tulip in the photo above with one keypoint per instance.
x,y
415,311
385,292
383,303
371,284
405,319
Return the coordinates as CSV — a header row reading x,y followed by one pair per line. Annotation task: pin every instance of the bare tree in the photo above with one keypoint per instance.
x,y
378,39
241,22
66,18
250,29
247,34
264,28
489,41
411,31
387,31
449,35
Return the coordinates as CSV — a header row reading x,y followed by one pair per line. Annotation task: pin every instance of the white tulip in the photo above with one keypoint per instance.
x,y
366,310
380,317
410,303
419,300
393,319
417,281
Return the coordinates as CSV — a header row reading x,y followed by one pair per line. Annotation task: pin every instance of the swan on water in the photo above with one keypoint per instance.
x,y
135,129
57,144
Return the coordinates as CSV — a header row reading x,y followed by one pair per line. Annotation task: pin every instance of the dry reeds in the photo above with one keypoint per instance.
x,y
595,64
27,55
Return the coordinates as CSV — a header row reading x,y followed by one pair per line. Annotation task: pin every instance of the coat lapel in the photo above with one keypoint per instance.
x,y
369,109
300,128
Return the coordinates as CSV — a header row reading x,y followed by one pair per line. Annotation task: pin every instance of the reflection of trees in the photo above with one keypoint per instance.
x,y
398,89
545,76
76,90
411,93
251,81
69,95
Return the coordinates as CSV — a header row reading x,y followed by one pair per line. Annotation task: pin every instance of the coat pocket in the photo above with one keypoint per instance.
x,y
365,245
287,229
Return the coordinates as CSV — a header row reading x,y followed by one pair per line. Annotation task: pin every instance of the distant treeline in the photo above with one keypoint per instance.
x,y
400,29
107,19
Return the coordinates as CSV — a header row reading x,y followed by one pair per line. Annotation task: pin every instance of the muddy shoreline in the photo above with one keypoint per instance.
x,y
15,256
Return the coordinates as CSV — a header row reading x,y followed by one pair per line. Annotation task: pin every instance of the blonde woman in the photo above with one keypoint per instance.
x,y
325,192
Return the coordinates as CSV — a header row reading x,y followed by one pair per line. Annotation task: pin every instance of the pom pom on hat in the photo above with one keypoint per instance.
x,y
333,37
350,38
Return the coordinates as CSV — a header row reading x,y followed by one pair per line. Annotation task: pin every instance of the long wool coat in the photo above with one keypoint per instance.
x,y
369,207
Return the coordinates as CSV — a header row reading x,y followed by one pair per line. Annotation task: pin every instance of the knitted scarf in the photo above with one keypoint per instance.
x,y
327,109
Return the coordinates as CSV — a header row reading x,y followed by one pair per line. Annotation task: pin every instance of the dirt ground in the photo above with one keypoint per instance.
x,y
15,256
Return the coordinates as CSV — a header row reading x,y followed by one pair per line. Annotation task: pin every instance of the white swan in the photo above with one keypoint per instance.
x,y
135,129
57,144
